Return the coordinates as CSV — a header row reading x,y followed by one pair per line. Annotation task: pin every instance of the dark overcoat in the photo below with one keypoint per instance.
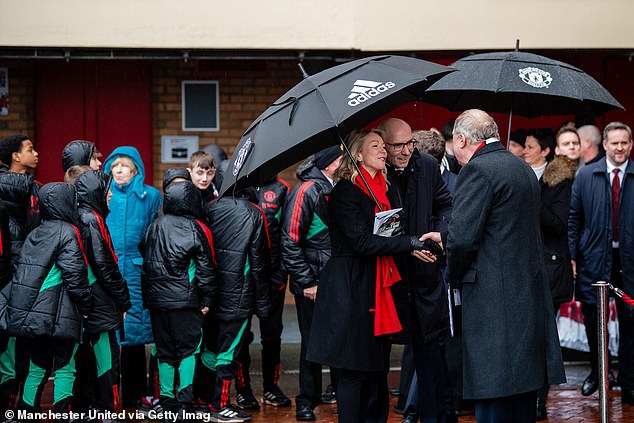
x,y
590,228
342,334
495,252
556,185
427,205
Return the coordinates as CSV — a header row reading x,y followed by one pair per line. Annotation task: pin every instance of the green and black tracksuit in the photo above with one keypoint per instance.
x,y
48,295
243,260
178,279
97,382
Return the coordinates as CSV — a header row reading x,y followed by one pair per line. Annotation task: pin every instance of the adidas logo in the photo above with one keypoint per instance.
x,y
364,90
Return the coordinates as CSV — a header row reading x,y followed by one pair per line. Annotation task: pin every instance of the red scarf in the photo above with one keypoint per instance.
x,y
385,316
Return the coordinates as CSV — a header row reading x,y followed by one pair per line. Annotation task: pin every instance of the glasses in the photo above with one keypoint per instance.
x,y
398,146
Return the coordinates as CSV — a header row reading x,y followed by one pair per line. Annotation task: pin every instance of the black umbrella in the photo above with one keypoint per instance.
x,y
321,109
521,83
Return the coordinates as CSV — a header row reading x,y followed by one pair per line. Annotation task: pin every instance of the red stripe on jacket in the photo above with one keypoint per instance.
x,y
297,210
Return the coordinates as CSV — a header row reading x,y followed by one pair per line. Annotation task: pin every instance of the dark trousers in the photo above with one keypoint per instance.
x,y
177,334
222,340
514,409
271,333
435,395
97,381
378,407
407,373
8,381
626,328
134,375
353,393
309,372
48,356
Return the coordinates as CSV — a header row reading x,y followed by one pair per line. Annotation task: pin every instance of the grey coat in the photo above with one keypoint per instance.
x,y
494,250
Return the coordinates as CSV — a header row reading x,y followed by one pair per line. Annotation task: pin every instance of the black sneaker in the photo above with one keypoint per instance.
x,y
246,400
276,397
329,397
229,414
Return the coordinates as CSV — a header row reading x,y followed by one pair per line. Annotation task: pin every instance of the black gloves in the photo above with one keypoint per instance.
x,y
429,245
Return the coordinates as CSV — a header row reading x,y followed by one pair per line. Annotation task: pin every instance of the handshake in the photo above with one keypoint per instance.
x,y
428,245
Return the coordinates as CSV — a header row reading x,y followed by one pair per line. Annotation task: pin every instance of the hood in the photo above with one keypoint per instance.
x,y
127,151
77,153
558,170
307,171
58,201
183,199
92,190
173,173
136,185
15,192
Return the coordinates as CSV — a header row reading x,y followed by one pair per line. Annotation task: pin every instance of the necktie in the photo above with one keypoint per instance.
x,y
616,191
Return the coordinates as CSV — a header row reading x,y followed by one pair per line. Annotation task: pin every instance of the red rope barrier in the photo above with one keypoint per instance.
x,y
622,295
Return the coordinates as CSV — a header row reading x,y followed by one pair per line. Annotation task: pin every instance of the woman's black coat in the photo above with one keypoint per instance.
x,y
342,334
556,186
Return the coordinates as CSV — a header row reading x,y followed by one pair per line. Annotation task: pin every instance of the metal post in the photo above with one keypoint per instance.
x,y
602,326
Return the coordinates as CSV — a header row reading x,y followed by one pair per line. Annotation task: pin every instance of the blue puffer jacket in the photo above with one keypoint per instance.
x,y
132,209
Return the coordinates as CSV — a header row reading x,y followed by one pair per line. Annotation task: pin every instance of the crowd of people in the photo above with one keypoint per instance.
x,y
485,244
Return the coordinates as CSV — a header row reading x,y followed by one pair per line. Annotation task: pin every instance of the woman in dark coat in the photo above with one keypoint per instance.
x,y
354,307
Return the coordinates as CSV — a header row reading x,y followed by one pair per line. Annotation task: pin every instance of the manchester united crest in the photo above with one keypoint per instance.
x,y
535,77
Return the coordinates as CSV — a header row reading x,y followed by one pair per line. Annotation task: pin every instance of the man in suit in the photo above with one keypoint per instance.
x,y
603,198
494,255
417,186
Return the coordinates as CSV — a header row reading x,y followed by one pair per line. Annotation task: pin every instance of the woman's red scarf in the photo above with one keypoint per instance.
x,y
385,316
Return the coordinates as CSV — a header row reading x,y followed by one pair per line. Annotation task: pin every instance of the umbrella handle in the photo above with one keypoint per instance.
x,y
356,166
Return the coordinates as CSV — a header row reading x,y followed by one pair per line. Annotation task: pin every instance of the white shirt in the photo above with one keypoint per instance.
x,y
539,171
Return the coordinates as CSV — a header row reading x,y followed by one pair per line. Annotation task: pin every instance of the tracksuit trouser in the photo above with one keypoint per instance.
x,y
177,336
271,333
222,341
48,356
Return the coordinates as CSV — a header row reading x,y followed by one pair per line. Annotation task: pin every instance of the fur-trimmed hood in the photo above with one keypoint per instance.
x,y
558,170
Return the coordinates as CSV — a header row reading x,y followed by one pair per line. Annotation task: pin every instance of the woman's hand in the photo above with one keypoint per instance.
x,y
424,256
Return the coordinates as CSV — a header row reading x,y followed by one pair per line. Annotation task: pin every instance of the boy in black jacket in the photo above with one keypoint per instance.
x,y
98,356
178,284
242,254
49,296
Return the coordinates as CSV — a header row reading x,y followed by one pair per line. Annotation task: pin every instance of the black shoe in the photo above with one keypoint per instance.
x,y
304,413
590,385
395,392
275,397
627,397
329,397
246,400
541,410
613,382
410,418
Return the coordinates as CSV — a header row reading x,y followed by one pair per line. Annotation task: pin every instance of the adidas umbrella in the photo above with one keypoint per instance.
x,y
320,110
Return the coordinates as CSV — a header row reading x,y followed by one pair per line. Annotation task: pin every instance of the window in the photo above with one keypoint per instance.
x,y
200,106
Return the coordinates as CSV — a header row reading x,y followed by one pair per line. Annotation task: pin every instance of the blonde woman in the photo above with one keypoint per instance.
x,y
354,307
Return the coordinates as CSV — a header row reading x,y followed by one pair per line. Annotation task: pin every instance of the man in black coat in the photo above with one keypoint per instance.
x,y
417,185
495,254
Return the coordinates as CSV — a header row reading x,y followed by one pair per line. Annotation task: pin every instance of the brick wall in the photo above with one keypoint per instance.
x,y
20,118
246,90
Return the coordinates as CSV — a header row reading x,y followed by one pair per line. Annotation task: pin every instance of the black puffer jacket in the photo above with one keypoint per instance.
x,y
243,258
49,291
5,246
15,192
108,286
178,258
77,153
305,239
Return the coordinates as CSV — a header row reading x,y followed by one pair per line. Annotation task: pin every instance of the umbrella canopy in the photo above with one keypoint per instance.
x,y
520,83
321,109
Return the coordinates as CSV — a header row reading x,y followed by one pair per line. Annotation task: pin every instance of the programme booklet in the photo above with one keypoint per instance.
x,y
388,222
